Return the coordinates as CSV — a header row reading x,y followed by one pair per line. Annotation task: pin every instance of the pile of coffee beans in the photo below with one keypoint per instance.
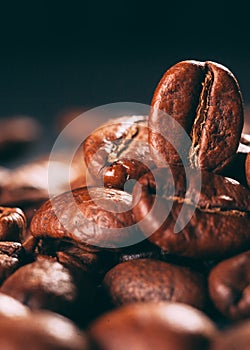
x,y
156,252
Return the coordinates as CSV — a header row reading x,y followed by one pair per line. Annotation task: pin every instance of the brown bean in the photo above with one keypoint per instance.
x,y
218,213
147,326
144,280
229,286
118,151
205,99
97,217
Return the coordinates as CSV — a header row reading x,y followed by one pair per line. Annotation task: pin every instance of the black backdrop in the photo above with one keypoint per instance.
x,y
58,54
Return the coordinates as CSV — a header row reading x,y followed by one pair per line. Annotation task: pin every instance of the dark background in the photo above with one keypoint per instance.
x,y
57,55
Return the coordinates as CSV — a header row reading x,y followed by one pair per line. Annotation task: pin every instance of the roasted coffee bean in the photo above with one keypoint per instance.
x,y
229,286
41,331
12,224
27,184
11,257
205,99
147,326
95,217
47,284
25,187
118,151
153,280
236,337
14,249
10,307
219,213
146,249
94,263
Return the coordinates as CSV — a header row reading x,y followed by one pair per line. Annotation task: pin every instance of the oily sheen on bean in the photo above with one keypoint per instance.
x,y
229,286
96,217
218,212
205,99
118,151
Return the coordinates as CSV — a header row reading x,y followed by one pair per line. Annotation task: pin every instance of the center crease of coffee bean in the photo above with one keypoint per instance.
x,y
122,144
213,210
200,119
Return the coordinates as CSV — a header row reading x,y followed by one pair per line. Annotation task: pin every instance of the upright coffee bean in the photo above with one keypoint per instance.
x,y
205,99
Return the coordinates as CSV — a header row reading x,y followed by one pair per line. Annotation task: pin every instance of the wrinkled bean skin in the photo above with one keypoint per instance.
x,y
118,151
69,252
11,257
144,280
229,286
147,326
89,216
205,99
12,224
222,210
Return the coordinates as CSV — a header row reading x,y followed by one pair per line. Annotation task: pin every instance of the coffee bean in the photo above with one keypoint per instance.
x,y
11,257
41,331
218,212
47,284
144,280
205,99
147,326
27,185
94,263
10,307
118,151
146,249
229,286
70,253
12,224
14,249
234,338
96,217
94,249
